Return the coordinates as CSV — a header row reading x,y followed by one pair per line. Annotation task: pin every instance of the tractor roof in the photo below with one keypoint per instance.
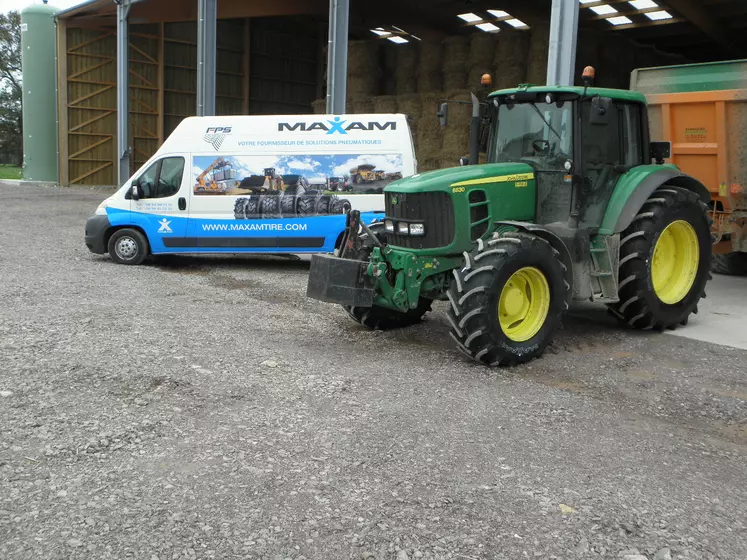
x,y
617,94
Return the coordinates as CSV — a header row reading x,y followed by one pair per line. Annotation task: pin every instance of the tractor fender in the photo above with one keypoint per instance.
x,y
555,242
634,189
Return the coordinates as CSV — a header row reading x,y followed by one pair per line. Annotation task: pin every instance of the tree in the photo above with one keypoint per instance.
x,y
11,136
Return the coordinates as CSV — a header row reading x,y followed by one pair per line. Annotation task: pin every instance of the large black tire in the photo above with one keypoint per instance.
x,y
270,206
251,207
379,317
306,205
340,206
639,305
324,204
295,190
475,291
289,204
128,246
730,264
238,208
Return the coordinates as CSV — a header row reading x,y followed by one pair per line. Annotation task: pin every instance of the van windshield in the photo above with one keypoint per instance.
x,y
536,133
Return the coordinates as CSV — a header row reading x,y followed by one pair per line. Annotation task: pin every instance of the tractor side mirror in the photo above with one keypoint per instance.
x,y
660,151
600,110
463,161
443,113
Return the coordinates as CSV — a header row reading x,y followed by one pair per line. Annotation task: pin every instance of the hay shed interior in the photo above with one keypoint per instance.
x,y
271,58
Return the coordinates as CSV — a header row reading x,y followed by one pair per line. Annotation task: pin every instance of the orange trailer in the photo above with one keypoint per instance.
x,y
702,110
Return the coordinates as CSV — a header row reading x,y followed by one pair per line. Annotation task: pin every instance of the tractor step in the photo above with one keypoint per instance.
x,y
605,257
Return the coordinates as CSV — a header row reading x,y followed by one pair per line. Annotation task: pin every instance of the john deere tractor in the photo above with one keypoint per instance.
x,y
574,203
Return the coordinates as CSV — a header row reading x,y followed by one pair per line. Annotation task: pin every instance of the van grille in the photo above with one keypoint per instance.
x,y
434,209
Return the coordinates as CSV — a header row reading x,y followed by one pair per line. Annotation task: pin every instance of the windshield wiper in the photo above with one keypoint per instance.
x,y
545,121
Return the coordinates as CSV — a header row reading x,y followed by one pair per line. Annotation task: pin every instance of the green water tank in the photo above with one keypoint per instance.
x,y
39,70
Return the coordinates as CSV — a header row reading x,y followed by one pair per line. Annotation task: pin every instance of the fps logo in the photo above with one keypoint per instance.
x,y
215,135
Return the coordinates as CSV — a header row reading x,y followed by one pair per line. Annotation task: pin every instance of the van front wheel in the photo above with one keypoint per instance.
x,y
128,246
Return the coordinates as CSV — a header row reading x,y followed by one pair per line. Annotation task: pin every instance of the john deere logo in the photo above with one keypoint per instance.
x,y
215,135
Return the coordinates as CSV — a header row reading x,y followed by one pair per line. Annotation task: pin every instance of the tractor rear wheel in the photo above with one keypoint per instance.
x,y
508,299
379,317
665,258
730,264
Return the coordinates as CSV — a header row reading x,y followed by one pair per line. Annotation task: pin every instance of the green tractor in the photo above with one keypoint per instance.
x,y
575,203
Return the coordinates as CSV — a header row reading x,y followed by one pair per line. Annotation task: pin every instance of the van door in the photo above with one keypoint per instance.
x,y
161,210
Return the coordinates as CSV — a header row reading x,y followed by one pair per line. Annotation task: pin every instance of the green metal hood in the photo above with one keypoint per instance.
x,y
468,175
617,94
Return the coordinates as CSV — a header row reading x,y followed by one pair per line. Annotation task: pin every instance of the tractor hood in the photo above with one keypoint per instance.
x,y
468,175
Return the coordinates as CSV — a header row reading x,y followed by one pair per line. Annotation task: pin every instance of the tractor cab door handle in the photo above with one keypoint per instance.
x,y
182,203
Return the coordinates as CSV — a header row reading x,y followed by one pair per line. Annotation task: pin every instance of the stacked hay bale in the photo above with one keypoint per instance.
x,y
455,63
482,49
510,63
429,138
363,104
364,69
539,44
455,141
405,75
588,52
429,72
389,60
319,106
385,104
411,106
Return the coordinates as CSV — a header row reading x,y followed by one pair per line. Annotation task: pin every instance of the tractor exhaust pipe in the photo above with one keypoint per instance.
x,y
474,132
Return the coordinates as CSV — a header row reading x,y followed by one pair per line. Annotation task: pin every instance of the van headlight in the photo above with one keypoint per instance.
x,y
417,229
101,210
389,226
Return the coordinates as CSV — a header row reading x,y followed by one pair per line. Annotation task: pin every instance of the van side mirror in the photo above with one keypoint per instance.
x,y
443,113
600,110
660,151
135,191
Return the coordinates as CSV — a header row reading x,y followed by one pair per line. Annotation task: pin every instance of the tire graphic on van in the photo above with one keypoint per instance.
x,y
299,204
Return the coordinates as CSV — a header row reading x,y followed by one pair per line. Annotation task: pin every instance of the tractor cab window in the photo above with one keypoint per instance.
x,y
162,179
539,134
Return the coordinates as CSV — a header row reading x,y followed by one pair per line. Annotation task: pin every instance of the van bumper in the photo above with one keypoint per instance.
x,y
96,227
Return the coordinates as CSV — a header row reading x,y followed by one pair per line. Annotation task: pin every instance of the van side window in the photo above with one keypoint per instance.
x,y
162,179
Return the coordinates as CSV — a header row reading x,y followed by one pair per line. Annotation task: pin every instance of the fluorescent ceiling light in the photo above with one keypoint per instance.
x,y
488,27
643,4
588,1
619,20
515,22
498,13
658,16
470,17
397,39
381,32
603,10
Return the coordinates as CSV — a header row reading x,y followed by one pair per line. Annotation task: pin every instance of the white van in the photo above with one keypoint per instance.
x,y
255,184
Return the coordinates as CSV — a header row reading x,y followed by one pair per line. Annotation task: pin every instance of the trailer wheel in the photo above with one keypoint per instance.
x,y
379,317
730,264
665,258
508,299
128,246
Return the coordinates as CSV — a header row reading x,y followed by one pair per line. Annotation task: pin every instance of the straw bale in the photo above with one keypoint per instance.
x,y
363,104
429,137
364,71
539,45
389,74
430,62
456,54
410,104
510,61
482,48
407,67
385,104
456,135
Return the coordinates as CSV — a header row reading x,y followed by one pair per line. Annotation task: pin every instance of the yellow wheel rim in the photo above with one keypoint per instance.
x,y
675,262
524,304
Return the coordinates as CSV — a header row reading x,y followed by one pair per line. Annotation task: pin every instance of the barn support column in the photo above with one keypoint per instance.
x,y
207,15
561,61
337,56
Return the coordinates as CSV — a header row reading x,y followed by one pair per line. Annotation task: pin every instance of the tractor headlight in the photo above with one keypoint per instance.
x,y
389,226
403,228
417,229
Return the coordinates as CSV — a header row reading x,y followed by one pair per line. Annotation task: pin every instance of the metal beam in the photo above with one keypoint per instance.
x,y
702,17
561,61
123,90
337,56
207,16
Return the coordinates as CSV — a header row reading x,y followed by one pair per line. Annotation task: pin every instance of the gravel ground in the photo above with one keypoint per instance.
x,y
205,408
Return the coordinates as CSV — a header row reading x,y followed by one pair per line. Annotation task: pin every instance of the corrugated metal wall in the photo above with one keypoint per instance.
x,y
283,54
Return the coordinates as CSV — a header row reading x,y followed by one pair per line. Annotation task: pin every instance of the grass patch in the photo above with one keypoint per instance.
x,y
9,172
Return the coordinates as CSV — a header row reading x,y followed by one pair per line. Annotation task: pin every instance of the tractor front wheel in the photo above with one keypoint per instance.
x,y
508,299
665,258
